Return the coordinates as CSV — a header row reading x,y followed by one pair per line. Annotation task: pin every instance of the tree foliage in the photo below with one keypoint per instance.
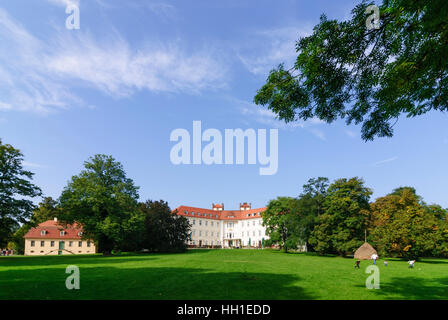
x,y
164,230
282,223
310,206
341,228
403,226
104,201
48,209
16,191
367,76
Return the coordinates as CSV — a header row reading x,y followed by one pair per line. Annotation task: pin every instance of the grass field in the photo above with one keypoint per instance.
x,y
218,274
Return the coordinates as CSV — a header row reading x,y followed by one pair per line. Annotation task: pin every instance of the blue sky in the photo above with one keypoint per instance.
x,y
136,70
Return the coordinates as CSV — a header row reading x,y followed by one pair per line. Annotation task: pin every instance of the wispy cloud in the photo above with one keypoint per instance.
x,y
32,165
351,134
266,49
378,163
40,76
267,117
64,3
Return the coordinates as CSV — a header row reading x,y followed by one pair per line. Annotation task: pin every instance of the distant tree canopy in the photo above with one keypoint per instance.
x,y
16,192
402,225
48,209
334,219
282,223
367,76
164,230
104,201
341,228
310,206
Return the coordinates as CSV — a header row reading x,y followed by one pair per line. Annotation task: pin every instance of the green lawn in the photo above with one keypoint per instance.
x,y
218,274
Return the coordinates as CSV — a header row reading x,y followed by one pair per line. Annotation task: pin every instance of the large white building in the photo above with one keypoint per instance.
x,y
217,227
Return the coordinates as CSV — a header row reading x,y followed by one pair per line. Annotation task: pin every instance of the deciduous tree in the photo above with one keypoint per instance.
x,y
341,228
369,76
16,192
104,201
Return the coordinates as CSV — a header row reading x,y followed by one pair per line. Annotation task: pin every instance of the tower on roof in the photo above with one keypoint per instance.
x,y
245,206
218,207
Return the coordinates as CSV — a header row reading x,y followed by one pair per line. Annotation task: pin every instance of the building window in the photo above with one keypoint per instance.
x,y
211,223
217,223
212,233
79,243
70,243
200,233
259,232
217,234
52,243
88,243
253,222
42,243
247,223
206,222
200,222
32,243
194,222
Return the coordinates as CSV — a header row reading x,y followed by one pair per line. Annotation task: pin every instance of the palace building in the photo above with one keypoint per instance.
x,y
50,238
217,227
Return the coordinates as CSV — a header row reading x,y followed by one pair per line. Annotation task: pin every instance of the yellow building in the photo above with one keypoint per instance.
x,y
50,238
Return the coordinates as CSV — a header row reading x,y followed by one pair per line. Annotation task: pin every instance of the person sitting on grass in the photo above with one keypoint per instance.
x,y
385,263
411,263
357,264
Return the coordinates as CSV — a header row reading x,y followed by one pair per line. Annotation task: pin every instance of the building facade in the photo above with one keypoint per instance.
x,y
50,238
217,227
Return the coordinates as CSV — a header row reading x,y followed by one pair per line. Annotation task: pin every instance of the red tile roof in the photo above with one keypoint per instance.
x,y
219,215
53,229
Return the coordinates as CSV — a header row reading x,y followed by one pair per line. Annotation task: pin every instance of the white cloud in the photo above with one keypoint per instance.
x,y
115,68
267,117
266,49
40,75
384,161
350,133
32,165
64,3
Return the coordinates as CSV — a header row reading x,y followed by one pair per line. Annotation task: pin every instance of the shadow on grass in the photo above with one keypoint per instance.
x,y
71,259
412,288
105,283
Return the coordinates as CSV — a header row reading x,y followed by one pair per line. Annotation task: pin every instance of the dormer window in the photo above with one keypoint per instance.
x,y
43,232
62,233
80,234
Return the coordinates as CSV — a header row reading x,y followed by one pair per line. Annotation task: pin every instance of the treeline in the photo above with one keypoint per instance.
x,y
334,219
101,198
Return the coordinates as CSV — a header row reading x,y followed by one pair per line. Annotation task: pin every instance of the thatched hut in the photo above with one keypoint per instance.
x,y
365,252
